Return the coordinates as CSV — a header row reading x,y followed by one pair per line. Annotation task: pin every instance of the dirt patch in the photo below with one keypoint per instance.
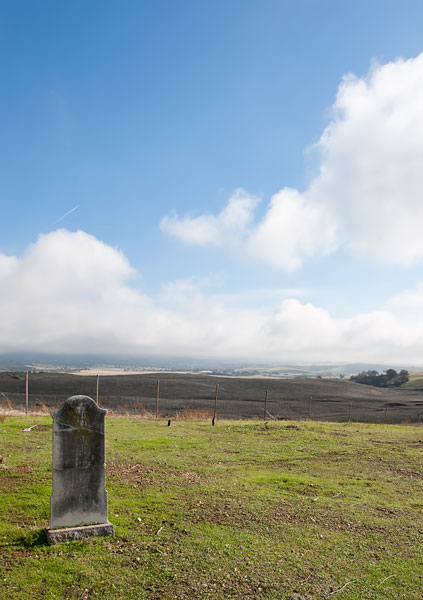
x,y
220,510
333,520
399,471
23,468
8,482
147,475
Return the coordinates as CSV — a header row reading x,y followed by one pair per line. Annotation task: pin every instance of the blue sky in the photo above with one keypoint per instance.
x,y
210,219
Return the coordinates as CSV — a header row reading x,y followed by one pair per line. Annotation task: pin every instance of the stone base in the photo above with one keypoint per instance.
x,y
55,536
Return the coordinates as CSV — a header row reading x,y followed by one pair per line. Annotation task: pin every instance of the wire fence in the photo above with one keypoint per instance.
x,y
202,399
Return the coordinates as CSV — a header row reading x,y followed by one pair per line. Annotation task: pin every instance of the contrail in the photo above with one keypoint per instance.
x,y
66,214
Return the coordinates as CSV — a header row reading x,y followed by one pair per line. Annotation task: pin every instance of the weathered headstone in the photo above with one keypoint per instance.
x,y
78,505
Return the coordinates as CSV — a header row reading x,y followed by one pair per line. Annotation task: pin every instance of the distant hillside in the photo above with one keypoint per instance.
x,y
22,361
415,382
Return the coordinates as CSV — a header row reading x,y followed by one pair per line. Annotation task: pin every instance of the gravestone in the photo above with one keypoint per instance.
x,y
78,505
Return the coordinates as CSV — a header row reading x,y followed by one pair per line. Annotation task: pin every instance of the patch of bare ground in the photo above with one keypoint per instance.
x,y
229,585
401,444
12,477
8,483
144,475
399,471
342,518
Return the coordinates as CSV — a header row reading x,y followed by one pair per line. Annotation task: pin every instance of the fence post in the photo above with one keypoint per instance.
x,y
265,404
157,398
26,393
310,415
349,413
97,383
386,414
215,404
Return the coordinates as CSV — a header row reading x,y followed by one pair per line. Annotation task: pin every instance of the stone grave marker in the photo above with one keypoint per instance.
x,y
78,505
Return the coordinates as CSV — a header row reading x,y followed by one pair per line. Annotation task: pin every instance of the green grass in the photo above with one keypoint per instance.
x,y
241,510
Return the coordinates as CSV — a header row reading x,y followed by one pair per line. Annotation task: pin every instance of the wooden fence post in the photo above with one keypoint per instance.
x,y
265,404
97,387
157,399
215,404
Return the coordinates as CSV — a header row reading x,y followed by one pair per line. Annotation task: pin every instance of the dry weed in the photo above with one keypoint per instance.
x,y
5,403
194,414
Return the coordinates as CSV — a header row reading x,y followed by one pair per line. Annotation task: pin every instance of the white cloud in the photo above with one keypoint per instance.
x,y
368,193
290,231
371,156
224,229
408,303
70,292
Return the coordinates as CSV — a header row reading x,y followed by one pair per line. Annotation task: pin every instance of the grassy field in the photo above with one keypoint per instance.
x,y
284,510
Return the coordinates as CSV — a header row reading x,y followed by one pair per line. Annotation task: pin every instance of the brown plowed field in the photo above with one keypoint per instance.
x,y
239,398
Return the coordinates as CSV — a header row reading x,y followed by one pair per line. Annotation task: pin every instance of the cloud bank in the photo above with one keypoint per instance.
x,y
70,292
367,195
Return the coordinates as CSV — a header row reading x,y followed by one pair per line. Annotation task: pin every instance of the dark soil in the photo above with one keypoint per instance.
x,y
332,399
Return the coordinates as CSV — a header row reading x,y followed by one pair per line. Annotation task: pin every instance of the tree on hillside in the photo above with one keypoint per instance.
x,y
403,377
388,378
